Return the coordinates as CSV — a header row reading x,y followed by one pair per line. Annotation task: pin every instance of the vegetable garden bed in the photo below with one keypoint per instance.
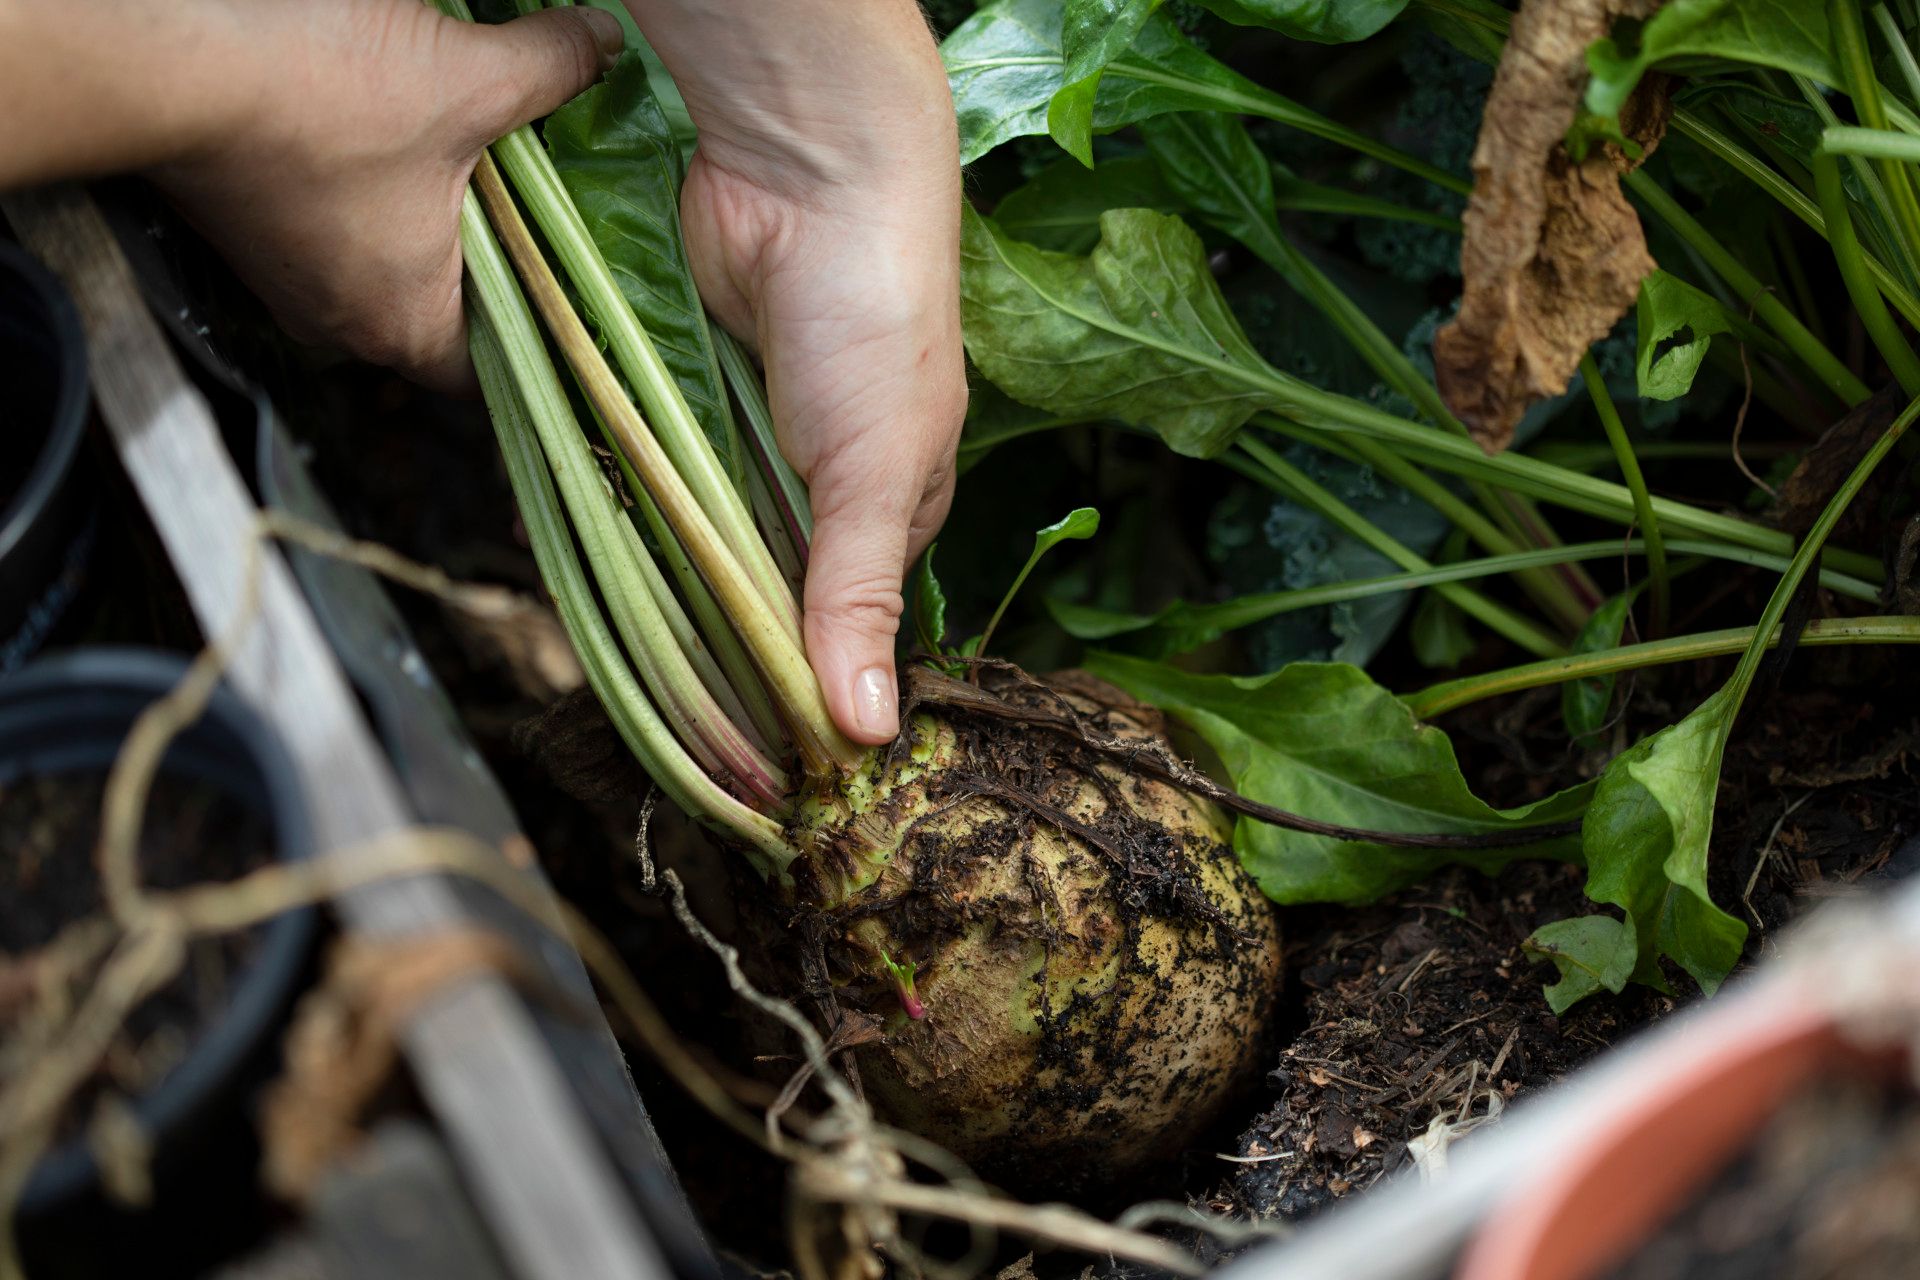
x,y
1518,534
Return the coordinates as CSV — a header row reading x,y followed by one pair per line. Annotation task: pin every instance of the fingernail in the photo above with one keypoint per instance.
x,y
874,703
606,29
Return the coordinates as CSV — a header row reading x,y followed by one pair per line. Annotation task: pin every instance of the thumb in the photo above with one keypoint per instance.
x,y
537,63
853,600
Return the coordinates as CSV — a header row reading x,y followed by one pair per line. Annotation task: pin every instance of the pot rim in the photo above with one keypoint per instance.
x,y
1702,1097
119,682
71,399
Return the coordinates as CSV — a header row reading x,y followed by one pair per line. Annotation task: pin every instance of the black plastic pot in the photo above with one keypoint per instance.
x,y
46,516
70,713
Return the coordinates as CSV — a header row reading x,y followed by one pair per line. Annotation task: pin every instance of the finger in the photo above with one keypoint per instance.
x,y
862,517
532,66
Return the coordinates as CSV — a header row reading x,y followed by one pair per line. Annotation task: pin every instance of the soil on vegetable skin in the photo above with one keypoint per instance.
x,y
49,878
1829,1188
1098,972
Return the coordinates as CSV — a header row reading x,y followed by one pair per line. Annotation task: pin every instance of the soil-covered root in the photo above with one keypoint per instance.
x,y
1074,971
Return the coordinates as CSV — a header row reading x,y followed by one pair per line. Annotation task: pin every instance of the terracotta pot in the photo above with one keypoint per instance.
x,y
1696,1103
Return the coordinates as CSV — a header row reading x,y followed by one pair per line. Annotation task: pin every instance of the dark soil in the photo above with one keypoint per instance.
x,y
1829,1190
1414,1009
194,832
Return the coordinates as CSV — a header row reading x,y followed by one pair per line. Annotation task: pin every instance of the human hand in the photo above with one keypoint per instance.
x,y
822,216
332,176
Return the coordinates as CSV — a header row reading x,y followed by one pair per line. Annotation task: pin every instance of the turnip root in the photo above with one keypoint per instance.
x,y
1091,966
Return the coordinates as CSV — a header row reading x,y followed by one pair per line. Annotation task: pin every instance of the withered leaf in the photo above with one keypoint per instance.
x,y
1553,254
1827,463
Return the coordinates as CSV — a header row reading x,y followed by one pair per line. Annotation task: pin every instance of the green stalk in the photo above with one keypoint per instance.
x,y
1807,555
1902,52
1541,480
1864,171
1856,64
1549,590
1867,303
1637,486
776,651
702,726
1262,234
1792,199
646,735
1247,610
1823,364
1283,477
1438,699
538,185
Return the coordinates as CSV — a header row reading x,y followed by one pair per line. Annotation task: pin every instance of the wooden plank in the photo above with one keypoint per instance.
x,y
548,1189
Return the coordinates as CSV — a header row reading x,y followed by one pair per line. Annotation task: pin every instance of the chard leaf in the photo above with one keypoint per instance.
x,y
1586,951
1136,331
1005,63
1092,34
1060,207
1077,525
1787,35
1647,834
1322,739
1584,703
929,605
1671,308
1322,21
618,159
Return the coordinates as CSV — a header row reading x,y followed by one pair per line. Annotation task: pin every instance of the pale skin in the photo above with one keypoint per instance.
x,y
324,147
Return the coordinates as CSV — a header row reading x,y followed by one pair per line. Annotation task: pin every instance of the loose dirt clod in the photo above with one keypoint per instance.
x,y
1553,254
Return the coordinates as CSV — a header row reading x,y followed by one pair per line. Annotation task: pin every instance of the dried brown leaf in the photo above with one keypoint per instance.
x,y
1827,463
1553,254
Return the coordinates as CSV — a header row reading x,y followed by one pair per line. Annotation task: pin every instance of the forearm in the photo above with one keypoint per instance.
x,y
831,92
103,86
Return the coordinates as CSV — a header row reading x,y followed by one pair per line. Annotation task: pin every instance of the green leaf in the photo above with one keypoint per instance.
x,y
1648,832
994,417
1646,839
929,605
1322,21
1214,166
1060,207
1136,331
1586,951
617,157
1669,309
1092,34
1006,63
1439,633
1321,739
1077,525
1586,702
1787,35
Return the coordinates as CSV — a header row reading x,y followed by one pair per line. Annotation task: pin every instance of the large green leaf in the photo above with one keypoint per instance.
x,y
1321,739
1092,34
616,153
1787,35
1646,838
1136,331
1005,64
1322,21
1060,207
